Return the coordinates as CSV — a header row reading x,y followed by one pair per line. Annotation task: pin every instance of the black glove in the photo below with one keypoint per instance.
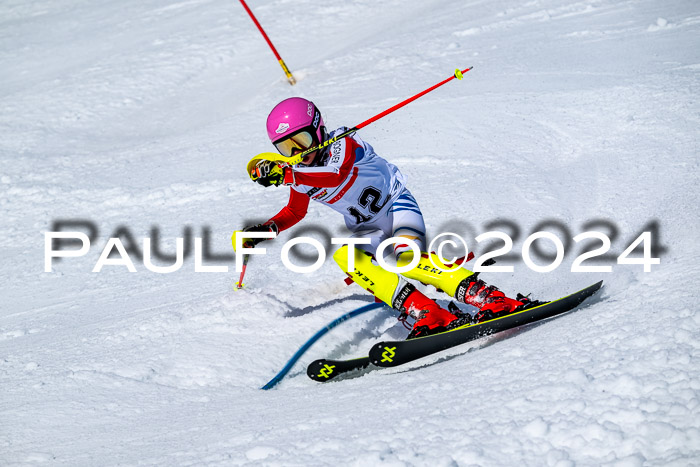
x,y
269,173
266,227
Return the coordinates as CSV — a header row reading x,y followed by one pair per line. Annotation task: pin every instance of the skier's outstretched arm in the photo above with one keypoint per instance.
x,y
293,212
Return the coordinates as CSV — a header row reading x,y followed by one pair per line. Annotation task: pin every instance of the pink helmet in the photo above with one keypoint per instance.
x,y
293,116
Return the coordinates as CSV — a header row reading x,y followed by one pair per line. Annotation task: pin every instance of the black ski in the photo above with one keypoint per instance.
x,y
394,353
324,370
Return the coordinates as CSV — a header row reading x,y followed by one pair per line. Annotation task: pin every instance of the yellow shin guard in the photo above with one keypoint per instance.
x,y
371,277
427,273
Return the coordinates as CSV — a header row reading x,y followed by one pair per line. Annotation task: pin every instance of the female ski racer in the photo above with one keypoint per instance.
x,y
371,194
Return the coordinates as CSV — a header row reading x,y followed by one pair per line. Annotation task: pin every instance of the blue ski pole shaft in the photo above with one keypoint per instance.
x,y
358,311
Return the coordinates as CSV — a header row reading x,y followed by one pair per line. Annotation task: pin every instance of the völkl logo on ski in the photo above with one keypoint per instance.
x,y
326,371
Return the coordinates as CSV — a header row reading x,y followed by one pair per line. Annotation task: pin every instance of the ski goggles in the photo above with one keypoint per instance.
x,y
302,141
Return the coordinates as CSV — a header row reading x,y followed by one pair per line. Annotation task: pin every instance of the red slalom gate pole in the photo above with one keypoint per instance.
x,y
458,74
290,78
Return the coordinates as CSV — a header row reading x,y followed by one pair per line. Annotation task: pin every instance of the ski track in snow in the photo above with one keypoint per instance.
x,y
143,114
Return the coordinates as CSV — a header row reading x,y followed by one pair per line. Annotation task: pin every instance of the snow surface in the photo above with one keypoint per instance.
x,y
143,113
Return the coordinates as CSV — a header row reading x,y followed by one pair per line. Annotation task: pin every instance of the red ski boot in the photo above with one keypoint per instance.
x,y
491,302
430,317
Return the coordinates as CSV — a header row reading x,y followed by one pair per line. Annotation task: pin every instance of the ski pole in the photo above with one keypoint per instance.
x,y
358,311
245,265
291,79
458,74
